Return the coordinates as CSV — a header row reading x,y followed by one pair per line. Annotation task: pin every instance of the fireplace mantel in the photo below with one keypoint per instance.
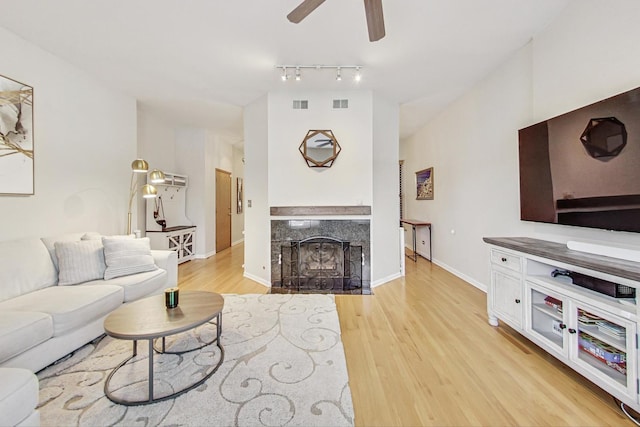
x,y
319,210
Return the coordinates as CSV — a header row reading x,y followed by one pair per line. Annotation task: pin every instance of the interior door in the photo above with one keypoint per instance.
x,y
223,210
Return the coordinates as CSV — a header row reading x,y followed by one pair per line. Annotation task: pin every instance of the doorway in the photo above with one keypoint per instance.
x,y
223,210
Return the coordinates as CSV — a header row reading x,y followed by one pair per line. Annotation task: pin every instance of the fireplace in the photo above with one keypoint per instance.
x,y
320,256
321,264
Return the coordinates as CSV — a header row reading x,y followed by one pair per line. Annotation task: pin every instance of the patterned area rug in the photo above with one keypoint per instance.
x,y
283,364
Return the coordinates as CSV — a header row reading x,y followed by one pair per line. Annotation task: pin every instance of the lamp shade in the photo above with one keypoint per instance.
x,y
139,166
149,191
156,176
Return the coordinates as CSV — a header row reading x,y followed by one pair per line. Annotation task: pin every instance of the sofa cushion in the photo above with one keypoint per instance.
x,y
18,395
25,266
80,261
22,330
70,306
139,285
50,242
127,256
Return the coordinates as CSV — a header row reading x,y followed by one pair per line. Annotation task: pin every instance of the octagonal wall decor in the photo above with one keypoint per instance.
x,y
320,148
604,137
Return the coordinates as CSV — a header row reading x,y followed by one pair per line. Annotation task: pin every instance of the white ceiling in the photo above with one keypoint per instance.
x,y
199,62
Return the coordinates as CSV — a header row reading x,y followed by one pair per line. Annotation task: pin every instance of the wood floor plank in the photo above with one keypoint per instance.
x,y
421,353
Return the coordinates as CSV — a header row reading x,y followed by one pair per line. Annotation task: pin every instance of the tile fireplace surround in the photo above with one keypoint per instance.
x,y
323,249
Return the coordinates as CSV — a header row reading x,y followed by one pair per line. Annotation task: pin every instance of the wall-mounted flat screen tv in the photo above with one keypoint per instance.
x,y
582,168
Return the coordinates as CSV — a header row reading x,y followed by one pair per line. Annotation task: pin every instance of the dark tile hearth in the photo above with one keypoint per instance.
x,y
280,290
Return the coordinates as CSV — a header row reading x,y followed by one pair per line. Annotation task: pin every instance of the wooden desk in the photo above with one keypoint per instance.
x,y
414,223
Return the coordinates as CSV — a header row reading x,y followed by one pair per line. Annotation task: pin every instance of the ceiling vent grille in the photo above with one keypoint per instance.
x,y
340,103
300,104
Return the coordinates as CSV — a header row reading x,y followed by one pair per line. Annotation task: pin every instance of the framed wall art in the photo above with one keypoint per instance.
x,y
239,195
16,137
424,184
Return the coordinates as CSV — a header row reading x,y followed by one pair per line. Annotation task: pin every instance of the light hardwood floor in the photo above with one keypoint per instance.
x,y
420,352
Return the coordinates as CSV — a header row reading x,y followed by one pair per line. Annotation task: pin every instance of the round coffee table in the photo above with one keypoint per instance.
x,y
149,319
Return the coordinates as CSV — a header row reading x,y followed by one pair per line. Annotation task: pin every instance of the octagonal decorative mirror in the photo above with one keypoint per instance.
x,y
604,137
320,148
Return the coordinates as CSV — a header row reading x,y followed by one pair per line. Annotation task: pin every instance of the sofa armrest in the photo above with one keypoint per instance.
x,y
167,260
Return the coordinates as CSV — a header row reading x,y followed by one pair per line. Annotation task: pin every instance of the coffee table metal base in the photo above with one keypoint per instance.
x,y
152,350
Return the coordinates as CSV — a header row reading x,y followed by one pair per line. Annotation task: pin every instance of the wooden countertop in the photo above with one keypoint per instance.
x,y
560,252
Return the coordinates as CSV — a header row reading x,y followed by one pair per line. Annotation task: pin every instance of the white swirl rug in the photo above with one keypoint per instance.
x,y
284,365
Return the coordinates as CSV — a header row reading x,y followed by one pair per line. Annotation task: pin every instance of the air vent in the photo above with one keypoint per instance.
x,y
300,104
340,103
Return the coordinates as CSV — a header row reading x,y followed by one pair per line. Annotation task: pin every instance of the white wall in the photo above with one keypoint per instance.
x,y
588,53
277,175
385,249
156,141
190,147
348,181
198,152
85,140
257,242
156,144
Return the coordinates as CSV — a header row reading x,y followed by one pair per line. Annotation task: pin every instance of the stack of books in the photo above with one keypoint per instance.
x,y
611,329
553,302
588,319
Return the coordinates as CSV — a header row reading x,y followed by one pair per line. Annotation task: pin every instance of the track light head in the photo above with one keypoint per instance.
x,y
284,68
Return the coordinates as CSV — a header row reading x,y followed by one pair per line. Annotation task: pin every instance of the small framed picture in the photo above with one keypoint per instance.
x,y
239,195
424,184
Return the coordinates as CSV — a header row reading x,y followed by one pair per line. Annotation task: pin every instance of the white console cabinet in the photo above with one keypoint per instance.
x,y
593,333
179,239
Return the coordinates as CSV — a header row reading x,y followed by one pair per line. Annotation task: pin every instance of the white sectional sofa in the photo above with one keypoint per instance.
x,y
18,398
54,296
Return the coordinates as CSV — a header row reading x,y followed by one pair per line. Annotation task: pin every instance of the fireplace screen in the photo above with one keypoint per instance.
x,y
321,264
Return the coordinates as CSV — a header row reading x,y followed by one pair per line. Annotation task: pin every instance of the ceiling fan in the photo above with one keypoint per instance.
x,y
324,142
372,8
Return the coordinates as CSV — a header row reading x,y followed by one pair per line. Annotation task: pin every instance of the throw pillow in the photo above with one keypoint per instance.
x,y
79,262
92,235
127,256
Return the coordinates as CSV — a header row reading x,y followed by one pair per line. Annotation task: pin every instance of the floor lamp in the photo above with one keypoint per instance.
x,y
148,191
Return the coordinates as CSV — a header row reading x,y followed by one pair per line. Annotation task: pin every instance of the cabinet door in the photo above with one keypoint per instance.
x,y
187,244
546,319
174,243
506,297
603,345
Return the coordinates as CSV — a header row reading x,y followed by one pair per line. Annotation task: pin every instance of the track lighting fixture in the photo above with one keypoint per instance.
x,y
339,68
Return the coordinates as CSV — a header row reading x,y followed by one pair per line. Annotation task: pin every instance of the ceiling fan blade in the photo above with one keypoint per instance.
x,y
303,9
375,19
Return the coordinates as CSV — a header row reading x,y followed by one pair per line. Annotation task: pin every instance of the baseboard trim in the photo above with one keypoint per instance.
x,y
386,280
257,279
204,256
237,242
461,275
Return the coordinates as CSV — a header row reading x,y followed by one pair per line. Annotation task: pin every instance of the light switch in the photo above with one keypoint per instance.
x,y
248,203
